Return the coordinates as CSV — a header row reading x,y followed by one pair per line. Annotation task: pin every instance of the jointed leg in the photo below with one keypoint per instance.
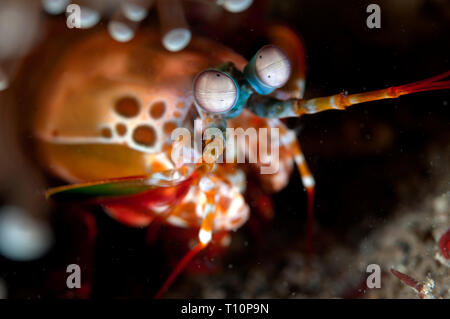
x,y
179,268
206,228
289,140
204,236
309,184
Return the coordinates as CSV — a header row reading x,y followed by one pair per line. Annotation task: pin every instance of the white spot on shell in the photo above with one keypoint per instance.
x,y
55,6
236,5
134,12
88,17
176,39
120,31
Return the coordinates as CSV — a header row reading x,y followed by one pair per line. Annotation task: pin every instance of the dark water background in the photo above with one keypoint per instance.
x,y
366,161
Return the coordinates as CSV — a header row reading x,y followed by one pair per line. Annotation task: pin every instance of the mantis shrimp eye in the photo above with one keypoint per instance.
x,y
268,70
215,91
272,66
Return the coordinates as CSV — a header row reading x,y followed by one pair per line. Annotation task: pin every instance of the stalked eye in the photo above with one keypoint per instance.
x,y
272,66
215,91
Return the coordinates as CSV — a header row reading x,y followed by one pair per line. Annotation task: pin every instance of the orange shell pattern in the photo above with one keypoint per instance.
x,y
108,108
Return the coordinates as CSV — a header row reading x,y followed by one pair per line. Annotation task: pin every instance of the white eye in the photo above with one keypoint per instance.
x,y
272,66
215,91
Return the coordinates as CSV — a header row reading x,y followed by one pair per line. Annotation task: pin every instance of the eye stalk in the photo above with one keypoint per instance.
x,y
269,69
215,91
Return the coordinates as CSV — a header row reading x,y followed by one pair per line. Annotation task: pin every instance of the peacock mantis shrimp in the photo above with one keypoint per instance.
x,y
118,154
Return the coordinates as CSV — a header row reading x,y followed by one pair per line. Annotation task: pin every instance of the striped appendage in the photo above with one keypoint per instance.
x,y
342,101
289,139
266,106
222,207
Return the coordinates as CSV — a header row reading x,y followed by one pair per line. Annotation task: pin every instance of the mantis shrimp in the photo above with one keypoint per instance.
x,y
141,181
